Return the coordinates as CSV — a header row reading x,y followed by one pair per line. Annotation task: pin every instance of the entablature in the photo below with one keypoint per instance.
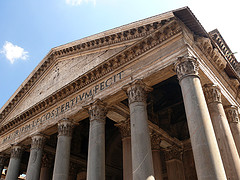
x,y
56,53
160,35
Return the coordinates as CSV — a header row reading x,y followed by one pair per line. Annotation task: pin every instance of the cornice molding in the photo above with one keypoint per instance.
x,y
222,45
221,63
119,37
162,31
212,53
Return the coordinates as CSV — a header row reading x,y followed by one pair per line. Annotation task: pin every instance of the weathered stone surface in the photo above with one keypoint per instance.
x,y
200,127
227,147
60,74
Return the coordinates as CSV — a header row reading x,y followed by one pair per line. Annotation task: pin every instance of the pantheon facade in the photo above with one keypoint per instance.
x,y
154,99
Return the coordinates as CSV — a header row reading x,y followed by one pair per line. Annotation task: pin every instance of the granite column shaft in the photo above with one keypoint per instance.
x,y
207,157
142,162
62,157
14,164
34,163
96,146
233,119
222,131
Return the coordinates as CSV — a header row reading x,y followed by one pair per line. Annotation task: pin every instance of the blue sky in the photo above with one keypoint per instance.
x,y
30,28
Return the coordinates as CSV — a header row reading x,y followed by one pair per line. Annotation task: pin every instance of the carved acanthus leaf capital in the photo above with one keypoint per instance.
x,y
124,127
16,151
65,127
173,153
186,66
97,111
212,93
38,141
137,91
155,141
232,114
47,160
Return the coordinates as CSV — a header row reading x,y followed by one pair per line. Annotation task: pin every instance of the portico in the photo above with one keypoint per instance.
x,y
127,104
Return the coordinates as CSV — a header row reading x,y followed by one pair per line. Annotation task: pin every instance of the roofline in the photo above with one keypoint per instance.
x,y
180,13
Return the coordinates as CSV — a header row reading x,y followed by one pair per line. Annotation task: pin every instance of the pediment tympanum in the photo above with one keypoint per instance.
x,y
59,75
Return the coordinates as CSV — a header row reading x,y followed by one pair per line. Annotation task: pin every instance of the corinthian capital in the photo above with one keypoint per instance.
x,y
212,93
124,127
38,141
137,91
173,153
16,152
65,127
97,111
47,160
155,141
186,66
232,114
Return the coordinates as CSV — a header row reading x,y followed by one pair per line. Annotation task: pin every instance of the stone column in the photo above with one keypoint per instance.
x,y
222,131
233,119
204,144
124,128
14,164
142,162
62,157
46,167
96,145
175,169
34,163
157,164
2,162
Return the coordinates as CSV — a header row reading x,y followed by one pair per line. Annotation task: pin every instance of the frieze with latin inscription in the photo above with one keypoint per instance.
x,y
64,107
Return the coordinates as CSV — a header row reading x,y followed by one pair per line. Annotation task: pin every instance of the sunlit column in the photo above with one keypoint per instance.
x,y
233,119
34,163
204,144
62,157
142,162
96,145
14,164
222,131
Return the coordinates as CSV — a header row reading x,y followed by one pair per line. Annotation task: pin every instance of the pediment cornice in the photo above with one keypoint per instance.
x,y
160,32
222,45
64,51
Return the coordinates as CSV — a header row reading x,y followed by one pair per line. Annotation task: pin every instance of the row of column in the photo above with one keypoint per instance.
x,y
173,155
209,132
208,126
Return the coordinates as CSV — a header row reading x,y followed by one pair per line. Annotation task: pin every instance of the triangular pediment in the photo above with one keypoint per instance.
x,y
65,63
74,65
61,73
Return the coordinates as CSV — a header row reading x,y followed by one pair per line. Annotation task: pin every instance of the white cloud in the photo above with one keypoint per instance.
x,y
79,2
13,52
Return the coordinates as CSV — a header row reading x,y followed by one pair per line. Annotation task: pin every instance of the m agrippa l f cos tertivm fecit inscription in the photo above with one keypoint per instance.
x,y
65,106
